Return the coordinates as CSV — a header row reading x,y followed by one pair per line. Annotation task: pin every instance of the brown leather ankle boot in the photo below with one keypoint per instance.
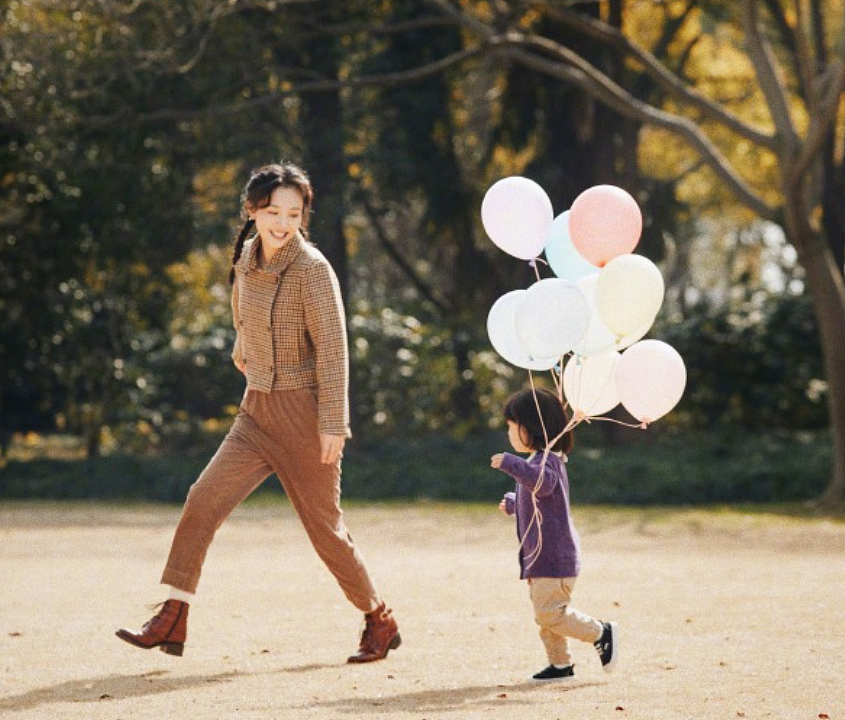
x,y
381,634
167,630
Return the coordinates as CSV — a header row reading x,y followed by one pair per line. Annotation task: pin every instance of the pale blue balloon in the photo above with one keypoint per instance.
x,y
565,261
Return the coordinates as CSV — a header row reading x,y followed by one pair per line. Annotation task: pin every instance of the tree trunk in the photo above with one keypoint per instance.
x,y
827,288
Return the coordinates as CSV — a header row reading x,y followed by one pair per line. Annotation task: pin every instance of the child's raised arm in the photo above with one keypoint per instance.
x,y
527,474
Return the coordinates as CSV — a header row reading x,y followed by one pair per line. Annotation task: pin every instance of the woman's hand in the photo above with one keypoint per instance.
x,y
331,446
496,460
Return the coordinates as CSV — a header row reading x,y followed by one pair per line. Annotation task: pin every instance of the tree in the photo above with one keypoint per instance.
x,y
798,60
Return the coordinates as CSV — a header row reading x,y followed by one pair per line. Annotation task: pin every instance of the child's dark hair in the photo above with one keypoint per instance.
x,y
256,195
521,408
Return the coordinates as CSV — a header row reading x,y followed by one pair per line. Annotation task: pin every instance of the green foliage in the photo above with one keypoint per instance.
x,y
652,469
754,366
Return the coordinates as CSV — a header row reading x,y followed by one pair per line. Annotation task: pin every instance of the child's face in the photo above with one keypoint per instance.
x,y
515,435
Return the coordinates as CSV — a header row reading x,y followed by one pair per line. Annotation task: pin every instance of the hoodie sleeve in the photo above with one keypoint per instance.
x,y
529,475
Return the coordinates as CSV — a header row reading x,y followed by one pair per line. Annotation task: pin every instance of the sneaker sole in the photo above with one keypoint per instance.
x,y
543,681
614,639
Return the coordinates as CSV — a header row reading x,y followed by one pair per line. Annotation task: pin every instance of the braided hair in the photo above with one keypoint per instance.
x,y
256,195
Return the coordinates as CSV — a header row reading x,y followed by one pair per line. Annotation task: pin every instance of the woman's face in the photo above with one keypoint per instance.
x,y
279,222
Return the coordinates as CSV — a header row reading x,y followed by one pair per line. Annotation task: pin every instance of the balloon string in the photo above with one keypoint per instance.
x,y
641,426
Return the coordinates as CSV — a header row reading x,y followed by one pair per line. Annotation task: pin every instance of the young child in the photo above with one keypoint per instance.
x,y
549,552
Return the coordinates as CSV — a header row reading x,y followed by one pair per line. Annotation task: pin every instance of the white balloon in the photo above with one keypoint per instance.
x,y
629,293
590,384
517,215
501,329
552,318
651,377
597,338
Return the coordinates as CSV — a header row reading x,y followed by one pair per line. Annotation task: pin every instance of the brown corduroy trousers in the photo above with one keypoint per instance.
x,y
273,432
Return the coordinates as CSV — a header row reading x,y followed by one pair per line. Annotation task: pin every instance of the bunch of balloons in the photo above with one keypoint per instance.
x,y
602,302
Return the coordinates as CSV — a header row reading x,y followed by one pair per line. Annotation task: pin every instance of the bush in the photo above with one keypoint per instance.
x,y
651,468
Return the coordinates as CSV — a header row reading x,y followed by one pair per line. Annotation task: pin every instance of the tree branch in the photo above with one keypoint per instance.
x,y
597,85
764,63
820,123
323,85
396,255
665,78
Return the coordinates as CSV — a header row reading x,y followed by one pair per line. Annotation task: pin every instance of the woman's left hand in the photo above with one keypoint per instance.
x,y
331,446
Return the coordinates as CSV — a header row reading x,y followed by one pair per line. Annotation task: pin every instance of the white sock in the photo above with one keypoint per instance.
x,y
181,595
560,667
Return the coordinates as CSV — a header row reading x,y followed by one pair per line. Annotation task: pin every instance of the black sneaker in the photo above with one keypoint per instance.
x,y
554,673
607,646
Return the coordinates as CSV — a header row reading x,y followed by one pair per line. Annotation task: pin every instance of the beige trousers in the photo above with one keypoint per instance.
x,y
558,621
273,433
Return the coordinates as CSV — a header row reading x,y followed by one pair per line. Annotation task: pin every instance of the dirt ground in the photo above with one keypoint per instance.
x,y
723,615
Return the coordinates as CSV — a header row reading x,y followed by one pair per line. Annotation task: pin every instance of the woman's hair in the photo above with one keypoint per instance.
x,y
256,195
521,408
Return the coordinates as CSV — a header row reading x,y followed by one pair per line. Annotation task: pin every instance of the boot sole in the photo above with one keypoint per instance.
x,y
169,648
392,645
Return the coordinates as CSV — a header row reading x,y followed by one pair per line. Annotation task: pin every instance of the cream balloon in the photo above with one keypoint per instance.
x,y
598,339
590,384
517,215
552,318
629,293
651,377
501,329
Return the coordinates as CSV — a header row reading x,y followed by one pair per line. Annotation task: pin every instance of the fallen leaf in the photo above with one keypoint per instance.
x,y
824,716
620,708
502,695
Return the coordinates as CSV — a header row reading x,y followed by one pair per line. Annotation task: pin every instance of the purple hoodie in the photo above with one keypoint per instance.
x,y
560,555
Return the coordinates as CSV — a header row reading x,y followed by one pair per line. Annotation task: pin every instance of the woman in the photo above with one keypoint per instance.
x,y
294,418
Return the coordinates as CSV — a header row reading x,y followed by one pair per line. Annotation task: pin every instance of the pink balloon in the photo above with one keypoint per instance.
x,y
604,221
651,377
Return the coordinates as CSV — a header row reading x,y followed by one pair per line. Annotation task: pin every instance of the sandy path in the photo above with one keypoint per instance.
x,y
723,616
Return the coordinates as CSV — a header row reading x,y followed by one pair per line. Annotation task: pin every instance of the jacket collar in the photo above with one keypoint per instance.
x,y
281,260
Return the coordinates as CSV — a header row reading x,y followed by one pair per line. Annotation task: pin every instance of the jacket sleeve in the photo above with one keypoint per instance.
x,y
510,503
528,475
326,324
237,350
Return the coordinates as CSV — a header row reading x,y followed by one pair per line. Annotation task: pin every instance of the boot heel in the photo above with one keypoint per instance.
x,y
395,643
172,648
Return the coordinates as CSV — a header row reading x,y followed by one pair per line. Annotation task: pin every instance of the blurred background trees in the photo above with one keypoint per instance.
x,y
127,128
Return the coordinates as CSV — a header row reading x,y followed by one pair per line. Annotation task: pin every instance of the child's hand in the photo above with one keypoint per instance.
x,y
503,507
496,460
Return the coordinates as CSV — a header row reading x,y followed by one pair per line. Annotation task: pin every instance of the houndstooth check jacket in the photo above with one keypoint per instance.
x,y
291,328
